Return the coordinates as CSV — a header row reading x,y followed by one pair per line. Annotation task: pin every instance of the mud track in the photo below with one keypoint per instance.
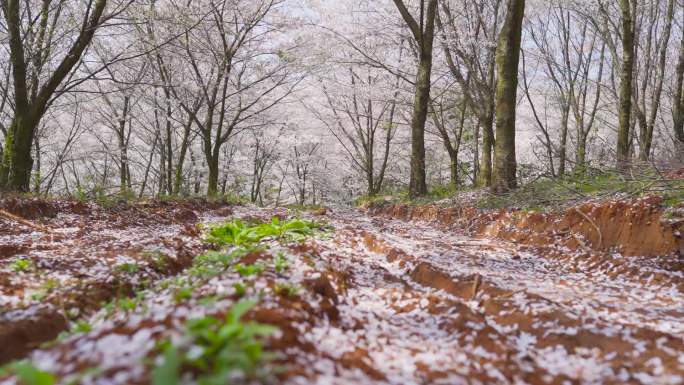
x,y
387,301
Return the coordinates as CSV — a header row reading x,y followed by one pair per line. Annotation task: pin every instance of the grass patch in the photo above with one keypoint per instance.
x,y
549,194
546,194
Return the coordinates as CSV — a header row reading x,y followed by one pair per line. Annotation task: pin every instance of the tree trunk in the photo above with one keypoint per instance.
x,y
178,181
170,180
476,155
485,171
424,34
123,161
626,80
17,162
148,167
508,58
678,105
453,168
418,184
37,166
581,154
563,152
212,183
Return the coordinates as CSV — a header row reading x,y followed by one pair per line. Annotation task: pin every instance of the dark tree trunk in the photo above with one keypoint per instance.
x,y
453,170
212,183
678,105
563,151
17,165
418,184
627,8
424,34
504,176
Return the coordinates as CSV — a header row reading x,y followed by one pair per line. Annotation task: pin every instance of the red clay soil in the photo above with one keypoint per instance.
x,y
631,228
387,302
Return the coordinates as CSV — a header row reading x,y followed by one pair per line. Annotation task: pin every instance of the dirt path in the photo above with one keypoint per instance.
x,y
393,302
437,307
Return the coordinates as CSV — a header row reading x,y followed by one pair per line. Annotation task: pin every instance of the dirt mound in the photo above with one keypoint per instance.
x,y
20,335
35,208
632,228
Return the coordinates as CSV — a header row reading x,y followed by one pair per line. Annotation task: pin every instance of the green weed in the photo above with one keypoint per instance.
x,y
216,350
128,268
286,290
240,289
249,270
158,259
213,263
239,233
21,265
81,327
183,294
280,262
28,374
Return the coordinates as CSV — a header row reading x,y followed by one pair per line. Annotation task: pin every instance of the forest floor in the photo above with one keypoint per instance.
x,y
396,294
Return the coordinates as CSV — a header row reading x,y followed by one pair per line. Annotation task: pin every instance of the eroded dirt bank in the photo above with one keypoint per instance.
x,y
638,227
387,301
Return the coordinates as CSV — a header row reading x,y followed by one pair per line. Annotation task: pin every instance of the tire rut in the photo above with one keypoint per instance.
x,y
551,337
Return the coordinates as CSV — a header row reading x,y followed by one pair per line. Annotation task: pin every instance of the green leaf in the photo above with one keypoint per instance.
x,y
30,375
240,309
168,373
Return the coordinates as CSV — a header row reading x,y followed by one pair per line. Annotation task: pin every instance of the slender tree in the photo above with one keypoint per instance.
x,y
507,60
473,65
362,122
653,74
449,117
678,102
423,32
628,23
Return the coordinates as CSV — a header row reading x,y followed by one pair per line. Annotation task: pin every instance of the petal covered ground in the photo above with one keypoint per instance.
x,y
384,301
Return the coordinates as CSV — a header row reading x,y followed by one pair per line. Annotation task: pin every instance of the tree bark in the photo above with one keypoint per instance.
x,y
418,184
627,8
213,165
678,105
424,34
485,172
508,58
563,151
123,151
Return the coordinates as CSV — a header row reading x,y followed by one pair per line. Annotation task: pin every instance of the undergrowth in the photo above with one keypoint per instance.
x,y
221,350
548,194
240,233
